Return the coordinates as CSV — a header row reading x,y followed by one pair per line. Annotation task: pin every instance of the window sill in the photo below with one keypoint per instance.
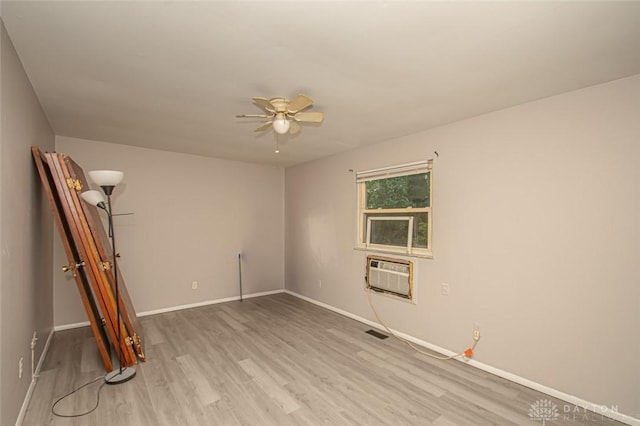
x,y
395,252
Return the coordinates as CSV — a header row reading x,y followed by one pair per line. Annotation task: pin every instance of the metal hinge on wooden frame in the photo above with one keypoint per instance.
x,y
104,266
74,184
132,340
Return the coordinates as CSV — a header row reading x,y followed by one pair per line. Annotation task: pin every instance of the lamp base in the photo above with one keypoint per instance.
x,y
116,377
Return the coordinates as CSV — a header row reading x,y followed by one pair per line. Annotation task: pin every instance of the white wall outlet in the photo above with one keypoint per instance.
x,y
444,289
319,283
194,285
20,367
476,331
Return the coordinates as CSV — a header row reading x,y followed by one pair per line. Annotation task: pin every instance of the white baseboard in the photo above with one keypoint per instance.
x,y
70,326
599,409
176,308
44,353
208,302
34,379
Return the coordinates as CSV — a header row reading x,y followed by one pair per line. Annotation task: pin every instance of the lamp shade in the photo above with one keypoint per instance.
x,y
281,124
93,197
106,177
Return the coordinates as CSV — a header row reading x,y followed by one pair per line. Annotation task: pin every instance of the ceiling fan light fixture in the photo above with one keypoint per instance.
x,y
280,124
284,115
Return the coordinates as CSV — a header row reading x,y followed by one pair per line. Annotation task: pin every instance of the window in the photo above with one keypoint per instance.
x,y
394,209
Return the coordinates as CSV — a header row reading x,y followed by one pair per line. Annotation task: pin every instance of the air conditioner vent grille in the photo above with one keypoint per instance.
x,y
393,276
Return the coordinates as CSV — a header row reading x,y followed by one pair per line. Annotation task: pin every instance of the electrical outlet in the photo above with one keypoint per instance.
x,y
319,283
194,285
476,331
444,289
20,367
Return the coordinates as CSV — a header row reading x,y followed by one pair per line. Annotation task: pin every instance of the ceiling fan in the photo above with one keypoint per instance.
x,y
284,114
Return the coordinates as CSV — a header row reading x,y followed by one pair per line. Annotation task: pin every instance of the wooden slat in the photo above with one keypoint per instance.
x,y
103,245
77,236
104,276
101,285
73,256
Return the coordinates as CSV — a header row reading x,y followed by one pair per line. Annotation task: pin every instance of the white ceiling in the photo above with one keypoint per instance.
x,y
172,75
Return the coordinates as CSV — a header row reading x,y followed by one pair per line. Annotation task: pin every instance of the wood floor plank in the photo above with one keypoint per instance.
x,y
403,375
203,390
163,403
90,357
236,325
152,332
314,408
270,386
235,311
276,360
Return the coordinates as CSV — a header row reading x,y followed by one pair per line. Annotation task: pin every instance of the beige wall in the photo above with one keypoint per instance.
x,y
535,229
26,297
192,216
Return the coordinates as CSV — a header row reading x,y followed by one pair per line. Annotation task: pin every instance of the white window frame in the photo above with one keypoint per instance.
x,y
409,219
363,237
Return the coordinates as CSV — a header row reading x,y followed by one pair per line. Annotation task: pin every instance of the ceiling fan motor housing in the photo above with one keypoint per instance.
x,y
280,104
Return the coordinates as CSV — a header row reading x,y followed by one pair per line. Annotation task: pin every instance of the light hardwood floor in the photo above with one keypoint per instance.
x,y
277,360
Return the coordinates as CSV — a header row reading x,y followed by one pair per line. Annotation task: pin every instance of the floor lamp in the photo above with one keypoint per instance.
x,y
108,180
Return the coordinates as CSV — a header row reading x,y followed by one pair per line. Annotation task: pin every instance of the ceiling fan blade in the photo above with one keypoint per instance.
x,y
254,115
309,117
264,103
299,103
264,127
294,128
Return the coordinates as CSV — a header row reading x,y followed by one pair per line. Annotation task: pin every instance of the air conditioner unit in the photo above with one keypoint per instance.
x,y
392,276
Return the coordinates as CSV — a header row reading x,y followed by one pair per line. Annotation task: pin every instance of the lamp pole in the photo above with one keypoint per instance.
x,y
108,180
